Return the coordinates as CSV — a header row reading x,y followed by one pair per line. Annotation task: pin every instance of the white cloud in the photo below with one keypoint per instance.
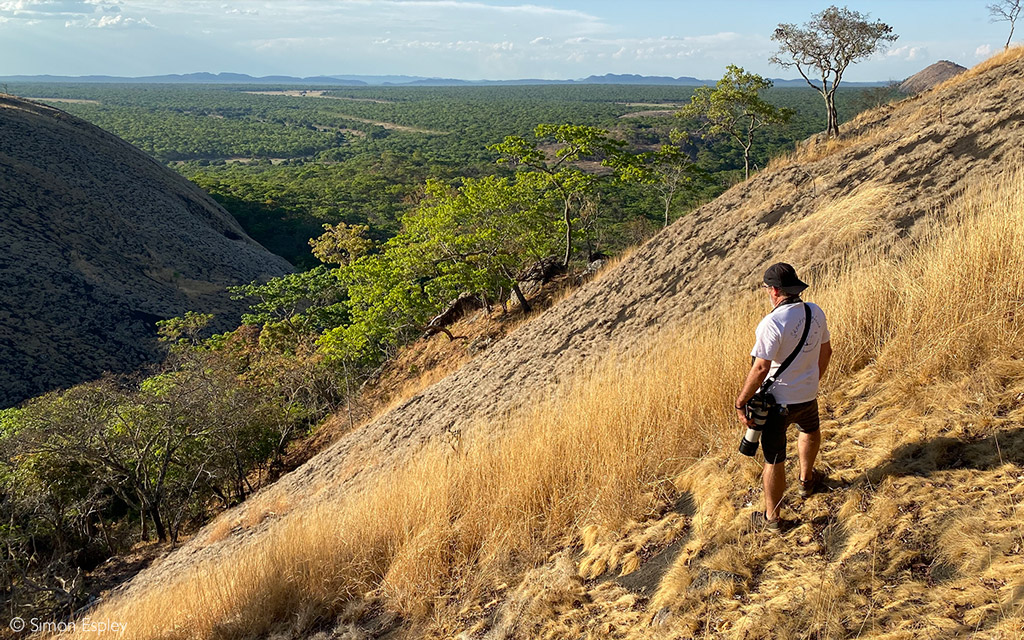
x,y
73,12
983,51
667,48
118,21
235,11
907,52
711,39
663,54
303,44
530,10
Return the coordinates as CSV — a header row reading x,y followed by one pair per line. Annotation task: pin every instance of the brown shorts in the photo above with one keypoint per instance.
x,y
773,437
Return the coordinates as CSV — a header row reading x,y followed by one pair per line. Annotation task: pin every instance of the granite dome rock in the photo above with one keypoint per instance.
x,y
98,242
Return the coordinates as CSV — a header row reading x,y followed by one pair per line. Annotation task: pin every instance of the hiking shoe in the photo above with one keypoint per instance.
x,y
758,522
811,485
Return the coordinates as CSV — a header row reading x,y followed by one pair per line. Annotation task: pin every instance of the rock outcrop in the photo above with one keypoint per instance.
x,y
97,243
930,76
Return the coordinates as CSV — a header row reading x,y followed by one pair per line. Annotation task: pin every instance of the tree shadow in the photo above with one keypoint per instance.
x,y
923,459
928,457
943,454
647,577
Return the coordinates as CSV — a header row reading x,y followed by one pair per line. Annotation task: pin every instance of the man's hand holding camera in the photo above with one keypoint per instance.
x,y
741,413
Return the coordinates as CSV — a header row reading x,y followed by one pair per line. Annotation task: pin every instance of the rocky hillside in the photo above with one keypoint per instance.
x,y
97,243
879,190
930,76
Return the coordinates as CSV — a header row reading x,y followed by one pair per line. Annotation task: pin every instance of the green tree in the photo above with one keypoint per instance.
x,y
165,449
307,302
341,243
484,232
668,170
825,46
560,173
391,296
471,239
95,428
734,107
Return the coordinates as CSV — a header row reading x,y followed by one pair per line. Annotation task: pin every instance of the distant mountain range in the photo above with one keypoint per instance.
x,y
386,80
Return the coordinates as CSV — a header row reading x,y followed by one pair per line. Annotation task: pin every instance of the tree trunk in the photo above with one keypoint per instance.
x,y
568,235
516,290
158,523
833,117
143,522
522,299
746,149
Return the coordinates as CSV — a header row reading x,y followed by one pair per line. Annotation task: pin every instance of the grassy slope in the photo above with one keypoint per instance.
x,y
920,534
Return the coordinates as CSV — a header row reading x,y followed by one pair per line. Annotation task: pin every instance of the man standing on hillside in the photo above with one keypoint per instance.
x,y
778,335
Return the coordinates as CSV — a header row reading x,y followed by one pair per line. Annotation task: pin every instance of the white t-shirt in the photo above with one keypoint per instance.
x,y
777,335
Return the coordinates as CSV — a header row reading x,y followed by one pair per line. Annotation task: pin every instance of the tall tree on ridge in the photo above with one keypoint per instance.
x,y
1006,11
825,46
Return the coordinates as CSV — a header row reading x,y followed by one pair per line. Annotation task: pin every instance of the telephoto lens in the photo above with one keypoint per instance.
x,y
748,445
757,411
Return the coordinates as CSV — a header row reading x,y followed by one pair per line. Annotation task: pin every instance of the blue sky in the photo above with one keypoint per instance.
x,y
477,39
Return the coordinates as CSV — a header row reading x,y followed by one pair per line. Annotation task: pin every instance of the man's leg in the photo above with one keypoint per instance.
x,y
773,445
807,446
774,477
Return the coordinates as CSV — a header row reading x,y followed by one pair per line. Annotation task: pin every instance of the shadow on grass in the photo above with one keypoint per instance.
x,y
646,579
943,454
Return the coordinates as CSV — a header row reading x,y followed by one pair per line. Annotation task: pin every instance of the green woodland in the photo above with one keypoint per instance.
x,y
285,165
391,202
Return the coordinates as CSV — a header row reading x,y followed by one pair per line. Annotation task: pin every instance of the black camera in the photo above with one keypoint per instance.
x,y
757,410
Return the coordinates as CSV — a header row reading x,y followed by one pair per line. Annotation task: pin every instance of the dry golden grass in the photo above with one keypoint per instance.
x,y
836,227
927,386
453,522
924,346
861,131
870,137
1003,57
815,149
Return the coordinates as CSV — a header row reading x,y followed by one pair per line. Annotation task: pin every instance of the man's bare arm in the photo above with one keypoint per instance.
x,y
824,357
758,372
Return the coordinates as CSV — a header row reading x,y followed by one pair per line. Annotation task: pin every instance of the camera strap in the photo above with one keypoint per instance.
x,y
789,360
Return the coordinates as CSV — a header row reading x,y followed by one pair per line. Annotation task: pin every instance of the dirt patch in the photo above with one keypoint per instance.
x,y
345,130
316,93
661,105
380,123
67,100
656,113
395,127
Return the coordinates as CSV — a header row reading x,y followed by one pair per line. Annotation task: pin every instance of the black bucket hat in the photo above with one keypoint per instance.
x,y
783,276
